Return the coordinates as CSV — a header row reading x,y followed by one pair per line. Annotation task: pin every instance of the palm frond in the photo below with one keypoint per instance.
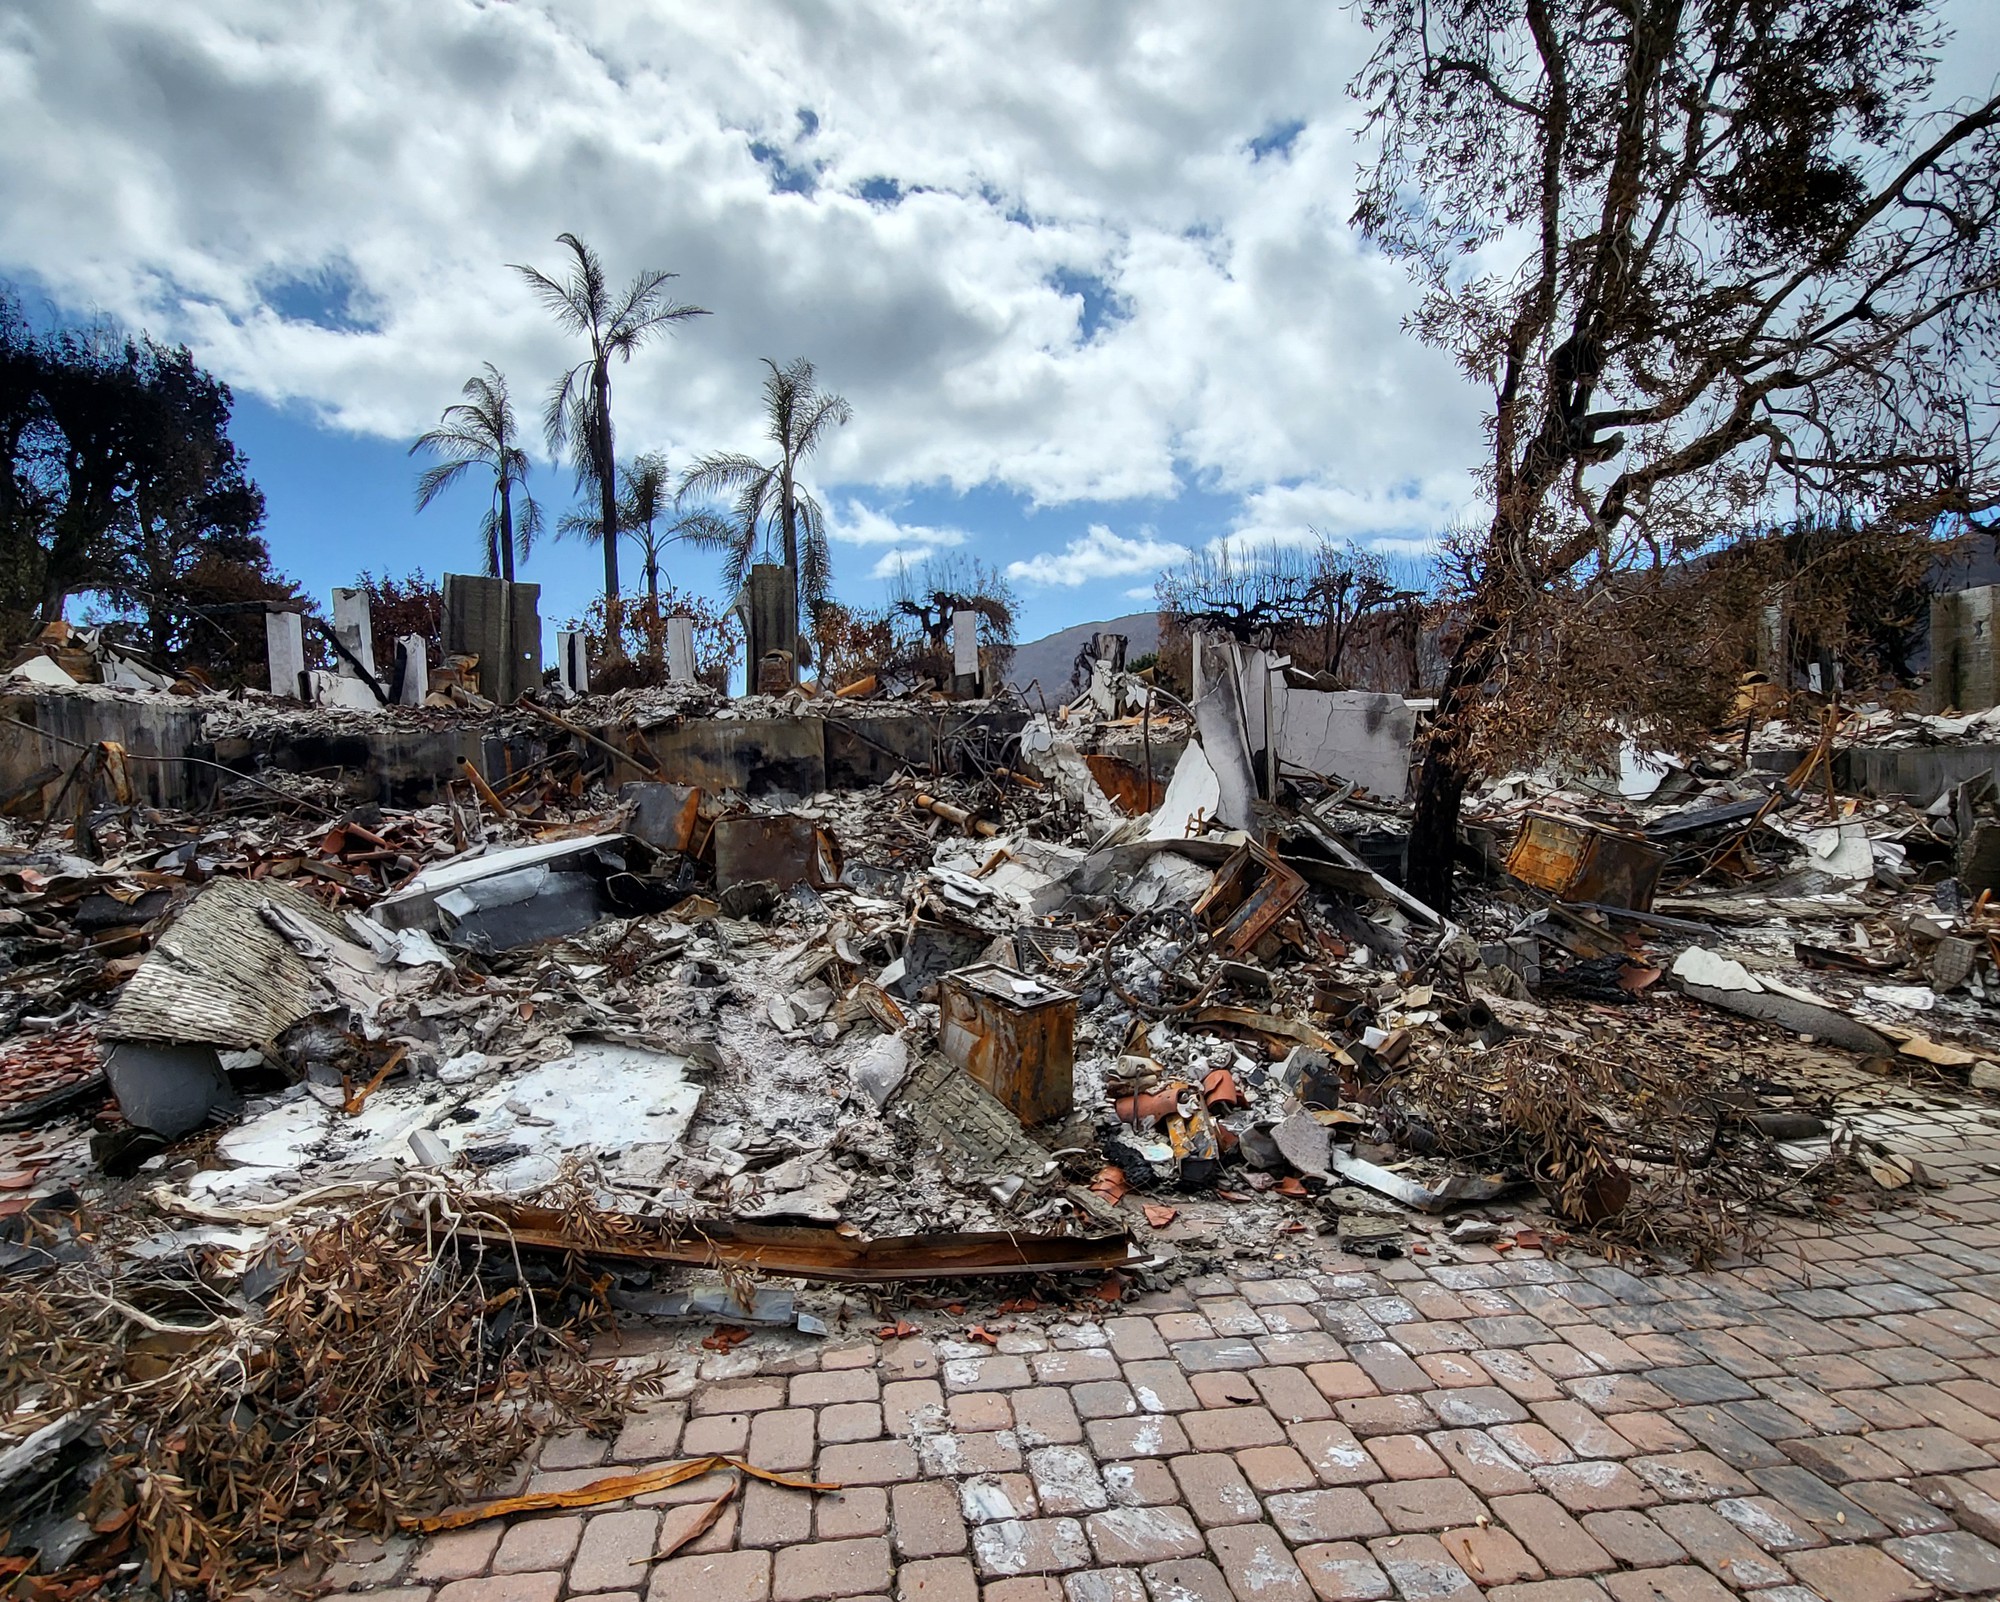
x,y
555,415
815,558
434,481
556,298
584,526
704,530
586,277
719,472
581,427
489,540
528,526
822,411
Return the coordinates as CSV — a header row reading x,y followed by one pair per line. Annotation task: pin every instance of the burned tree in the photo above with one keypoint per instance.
x,y
1720,265
1312,603
923,602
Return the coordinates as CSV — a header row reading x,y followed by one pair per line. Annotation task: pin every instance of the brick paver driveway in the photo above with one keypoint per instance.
x,y
1822,1423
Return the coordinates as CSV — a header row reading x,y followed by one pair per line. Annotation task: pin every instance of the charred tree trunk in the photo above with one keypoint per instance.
x,y
1446,767
504,555
607,496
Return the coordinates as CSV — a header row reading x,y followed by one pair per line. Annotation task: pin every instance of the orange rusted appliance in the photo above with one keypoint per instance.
x,y
1015,1034
1576,861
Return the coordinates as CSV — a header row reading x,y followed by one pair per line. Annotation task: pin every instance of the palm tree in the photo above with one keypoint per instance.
x,y
479,431
645,495
768,500
578,416
645,491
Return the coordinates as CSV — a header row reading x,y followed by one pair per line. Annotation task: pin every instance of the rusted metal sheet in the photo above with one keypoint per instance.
x,y
799,1253
1577,861
784,849
1015,1035
664,815
1249,897
1126,783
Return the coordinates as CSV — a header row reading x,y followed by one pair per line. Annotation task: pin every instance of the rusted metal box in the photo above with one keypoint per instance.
x,y
1015,1034
1577,861
784,848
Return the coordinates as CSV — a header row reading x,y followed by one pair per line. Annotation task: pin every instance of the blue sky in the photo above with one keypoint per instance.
x,y
1083,268
340,502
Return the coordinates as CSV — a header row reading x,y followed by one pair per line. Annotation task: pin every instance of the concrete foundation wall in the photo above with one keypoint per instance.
x,y
1350,734
1911,773
62,723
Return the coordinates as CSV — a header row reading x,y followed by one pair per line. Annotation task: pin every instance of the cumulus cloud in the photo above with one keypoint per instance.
x,y
893,564
1057,246
1404,516
858,524
1072,249
1098,554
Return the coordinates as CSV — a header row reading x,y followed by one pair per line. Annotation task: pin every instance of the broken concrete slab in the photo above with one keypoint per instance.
x,y
878,1070
1193,795
1725,983
1305,1143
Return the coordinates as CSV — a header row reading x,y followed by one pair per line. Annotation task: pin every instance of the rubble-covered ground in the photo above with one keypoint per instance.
x,y
1170,1193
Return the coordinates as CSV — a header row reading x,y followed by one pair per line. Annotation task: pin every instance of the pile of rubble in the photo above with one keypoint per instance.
x,y
601,1047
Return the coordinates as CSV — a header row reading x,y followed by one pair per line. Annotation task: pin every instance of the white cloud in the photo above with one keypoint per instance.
x,y
858,524
891,565
1072,280
1098,554
1027,240
1403,517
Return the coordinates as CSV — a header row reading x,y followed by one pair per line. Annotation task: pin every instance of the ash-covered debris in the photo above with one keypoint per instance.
x,y
793,1012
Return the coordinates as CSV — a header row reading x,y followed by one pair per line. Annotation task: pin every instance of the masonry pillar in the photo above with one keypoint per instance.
x,y
1965,668
771,616
573,660
285,651
416,670
355,631
680,649
501,624
965,653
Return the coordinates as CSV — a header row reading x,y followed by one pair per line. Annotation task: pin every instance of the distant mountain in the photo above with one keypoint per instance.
x,y
1050,658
